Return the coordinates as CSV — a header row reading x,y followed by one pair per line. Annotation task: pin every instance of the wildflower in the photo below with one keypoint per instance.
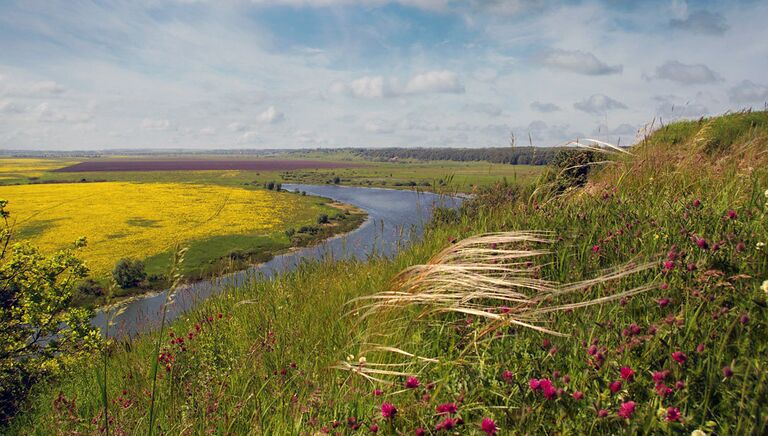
x,y
504,309
731,214
449,408
595,248
700,348
664,286
744,318
741,246
534,384
663,390
615,386
760,245
578,395
220,315
627,373
412,383
663,302
669,265
696,203
660,376
602,413
679,357
764,287
374,428
447,424
507,376
377,392
627,409
673,414
388,410
566,379
727,372
679,385
420,432
698,432
593,349
702,243
488,426
548,389
691,267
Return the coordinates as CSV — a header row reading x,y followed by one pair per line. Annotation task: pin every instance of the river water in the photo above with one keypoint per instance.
x,y
395,218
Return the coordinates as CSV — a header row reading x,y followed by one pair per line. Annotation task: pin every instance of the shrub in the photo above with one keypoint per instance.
x,y
129,273
290,232
35,306
323,219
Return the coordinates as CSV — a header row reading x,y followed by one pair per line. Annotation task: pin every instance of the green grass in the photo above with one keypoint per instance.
x,y
265,365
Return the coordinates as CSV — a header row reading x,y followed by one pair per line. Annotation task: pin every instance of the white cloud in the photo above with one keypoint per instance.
x,y
9,107
373,87
598,104
747,91
208,131
270,116
684,74
578,61
155,124
441,81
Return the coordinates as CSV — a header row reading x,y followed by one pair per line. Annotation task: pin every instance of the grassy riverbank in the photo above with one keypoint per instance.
x,y
688,353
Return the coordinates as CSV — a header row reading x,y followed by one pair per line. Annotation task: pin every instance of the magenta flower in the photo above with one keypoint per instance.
x,y
660,376
595,248
663,302
673,414
547,389
507,376
412,383
578,395
602,413
696,203
615,386
679,385
504,309
449,408
669,265
664,286
627,373
702,243
663,390
627,409
534,384
731,214
700,348
592,350
488,426
388,410
374,428
447,424
727,372
679,357
744,318
420,432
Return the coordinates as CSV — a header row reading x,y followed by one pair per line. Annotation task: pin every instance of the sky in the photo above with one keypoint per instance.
x,y
259,74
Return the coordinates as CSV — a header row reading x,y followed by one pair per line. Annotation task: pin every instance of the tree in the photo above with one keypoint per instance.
x,y
41,334
322,219
129,273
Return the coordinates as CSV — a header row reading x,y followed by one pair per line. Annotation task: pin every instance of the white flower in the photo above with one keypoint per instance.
x,y
765,287
351,357
362,360
766,193
698,432
760,245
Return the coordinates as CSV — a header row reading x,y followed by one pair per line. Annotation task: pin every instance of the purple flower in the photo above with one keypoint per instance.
x,y
627,409
412,383
488,426
388,410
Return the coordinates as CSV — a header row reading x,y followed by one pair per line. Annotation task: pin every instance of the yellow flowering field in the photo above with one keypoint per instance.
x,y
139,220
19,168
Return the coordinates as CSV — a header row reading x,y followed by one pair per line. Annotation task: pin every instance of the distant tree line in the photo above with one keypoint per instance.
x,y
507,155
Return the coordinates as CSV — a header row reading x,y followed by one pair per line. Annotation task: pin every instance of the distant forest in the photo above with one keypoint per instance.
x,y
507,155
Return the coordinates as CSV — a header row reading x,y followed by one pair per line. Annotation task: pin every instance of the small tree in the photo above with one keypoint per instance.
x,y
129,273
322,219
336,180
40,334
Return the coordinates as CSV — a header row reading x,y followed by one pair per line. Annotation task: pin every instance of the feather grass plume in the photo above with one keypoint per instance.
x,y
492,277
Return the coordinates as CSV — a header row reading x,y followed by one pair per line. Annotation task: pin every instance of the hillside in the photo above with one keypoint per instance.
x,y
623,293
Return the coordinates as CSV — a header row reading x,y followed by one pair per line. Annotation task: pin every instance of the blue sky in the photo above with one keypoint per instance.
x,y
337,73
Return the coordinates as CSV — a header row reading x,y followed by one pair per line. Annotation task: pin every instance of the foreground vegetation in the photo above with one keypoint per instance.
x,y
672,237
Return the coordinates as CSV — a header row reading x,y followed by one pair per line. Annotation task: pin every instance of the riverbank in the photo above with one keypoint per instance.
x,y
263,249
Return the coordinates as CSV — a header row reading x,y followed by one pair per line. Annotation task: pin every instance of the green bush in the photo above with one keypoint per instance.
x,y
129,273
323,219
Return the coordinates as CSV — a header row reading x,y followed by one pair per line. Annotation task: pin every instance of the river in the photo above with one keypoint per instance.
x,y
395,217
